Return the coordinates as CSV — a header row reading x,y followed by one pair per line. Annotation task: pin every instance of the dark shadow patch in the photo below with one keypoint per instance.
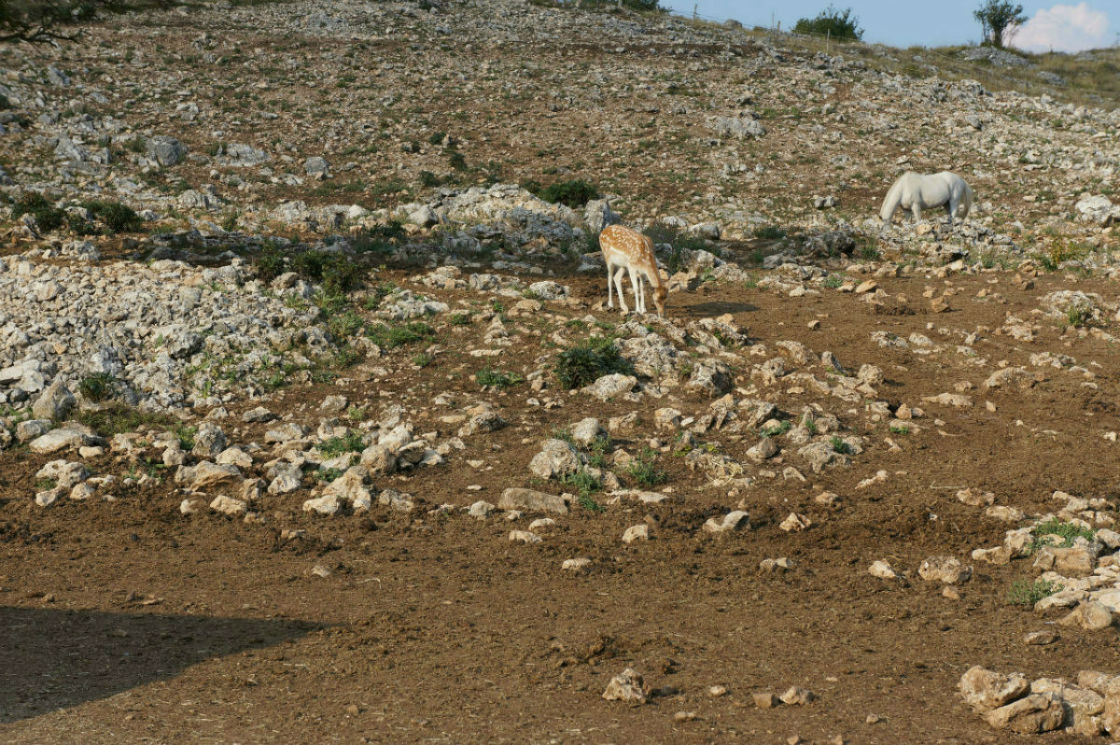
x,y
714,308
53,659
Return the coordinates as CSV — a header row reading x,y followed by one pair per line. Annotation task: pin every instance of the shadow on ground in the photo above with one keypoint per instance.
x,y
53,659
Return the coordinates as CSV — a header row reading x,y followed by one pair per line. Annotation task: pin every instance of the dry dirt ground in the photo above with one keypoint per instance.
x,y
127,622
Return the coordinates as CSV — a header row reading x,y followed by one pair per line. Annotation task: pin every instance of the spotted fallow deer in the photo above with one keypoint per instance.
x,y
627,250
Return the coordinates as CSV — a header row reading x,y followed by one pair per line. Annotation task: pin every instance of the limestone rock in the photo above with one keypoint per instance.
x,y
207,475
611,386
882,570
1090,616
328,504
524,536
1033,714
55,403
732,521
634,533
985,690
628,687
228,506
63,438
531,500
167,151
556,460
945,569
587,431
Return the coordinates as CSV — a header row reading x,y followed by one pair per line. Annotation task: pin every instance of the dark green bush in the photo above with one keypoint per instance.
x,y
47,217
391,337
338,273
117,217
839,24
574,193
644,470
497,378
270,263
341,275
585,363
309,265
97,387
378,239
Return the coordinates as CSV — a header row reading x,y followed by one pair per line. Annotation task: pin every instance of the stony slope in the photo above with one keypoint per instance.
x,y
348,408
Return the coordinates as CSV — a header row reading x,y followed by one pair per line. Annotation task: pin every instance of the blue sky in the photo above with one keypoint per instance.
x,y
1064,25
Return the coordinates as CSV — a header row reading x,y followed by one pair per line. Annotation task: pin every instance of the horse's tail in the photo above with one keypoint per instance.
x,y
890,204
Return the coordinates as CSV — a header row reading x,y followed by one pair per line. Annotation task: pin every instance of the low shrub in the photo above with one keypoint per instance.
x,y
574,193
47,217
585,363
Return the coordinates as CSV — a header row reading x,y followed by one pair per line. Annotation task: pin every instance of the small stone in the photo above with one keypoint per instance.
x,y
1090,616
1033,714
882,570
985,690
229,506
1040,638
524,536
55,403
795,696
874,719
327,504
529,499
795,523
827,499
717,690
587,431
999,555
576,565
636,533
627,687
731,521
776,565
321,570
685,716
945,569
257,415
480,510
765,700
975,497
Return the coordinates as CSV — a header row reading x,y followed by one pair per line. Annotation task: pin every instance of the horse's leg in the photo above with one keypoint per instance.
x,y
916,210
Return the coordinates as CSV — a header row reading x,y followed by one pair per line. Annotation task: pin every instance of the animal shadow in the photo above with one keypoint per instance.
x,y
54,659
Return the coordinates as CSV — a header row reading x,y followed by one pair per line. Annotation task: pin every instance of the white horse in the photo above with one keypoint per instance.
x,y
915,192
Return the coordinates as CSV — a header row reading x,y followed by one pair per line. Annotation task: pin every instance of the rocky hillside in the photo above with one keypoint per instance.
x,y
312,418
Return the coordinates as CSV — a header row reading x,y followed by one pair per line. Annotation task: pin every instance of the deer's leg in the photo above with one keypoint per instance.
x,y
634,284
618,287
610,287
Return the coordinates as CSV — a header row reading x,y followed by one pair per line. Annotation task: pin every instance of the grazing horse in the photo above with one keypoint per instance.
x,y
915,192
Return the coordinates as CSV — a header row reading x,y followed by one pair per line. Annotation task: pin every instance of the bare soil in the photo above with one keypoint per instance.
x,y
126,621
